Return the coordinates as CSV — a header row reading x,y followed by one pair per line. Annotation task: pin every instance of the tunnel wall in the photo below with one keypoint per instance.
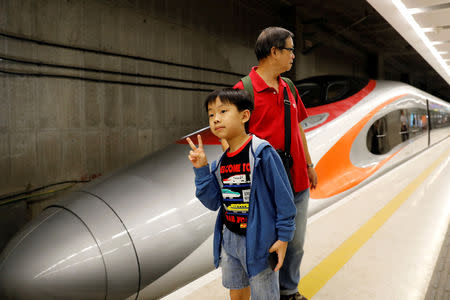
x,y
55,128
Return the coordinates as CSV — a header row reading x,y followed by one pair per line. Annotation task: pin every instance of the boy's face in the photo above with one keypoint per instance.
x,y
225,120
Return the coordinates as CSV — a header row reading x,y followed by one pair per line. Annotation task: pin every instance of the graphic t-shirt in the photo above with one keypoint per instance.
x,y
235,174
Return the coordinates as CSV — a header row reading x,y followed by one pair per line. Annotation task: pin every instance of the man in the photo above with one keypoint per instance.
x,y
274,50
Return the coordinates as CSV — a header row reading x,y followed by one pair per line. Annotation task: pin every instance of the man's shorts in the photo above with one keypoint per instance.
x,y
263,286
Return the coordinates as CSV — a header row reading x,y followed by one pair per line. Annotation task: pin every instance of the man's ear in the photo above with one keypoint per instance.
x,y
273,51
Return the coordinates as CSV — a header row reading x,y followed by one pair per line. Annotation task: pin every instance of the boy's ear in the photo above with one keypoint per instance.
x,y
245,115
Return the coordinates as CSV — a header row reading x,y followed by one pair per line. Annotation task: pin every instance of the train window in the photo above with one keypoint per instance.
x,y
336,91
376,138
310,94
395,128
418,123
439,116
322,90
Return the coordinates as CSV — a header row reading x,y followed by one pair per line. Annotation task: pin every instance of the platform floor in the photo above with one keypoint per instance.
x,y
439,288
380,242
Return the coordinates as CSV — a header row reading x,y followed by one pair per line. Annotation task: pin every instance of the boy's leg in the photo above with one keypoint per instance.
x,y
265,286
242,294
234,275
290,271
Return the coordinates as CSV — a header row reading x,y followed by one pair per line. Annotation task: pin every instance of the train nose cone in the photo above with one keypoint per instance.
x,y
54,257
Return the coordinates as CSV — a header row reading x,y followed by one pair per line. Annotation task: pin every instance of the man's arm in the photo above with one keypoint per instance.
x,y
312,175
302,114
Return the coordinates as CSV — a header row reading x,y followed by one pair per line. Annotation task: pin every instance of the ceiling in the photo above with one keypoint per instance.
x,y
425,24
378,28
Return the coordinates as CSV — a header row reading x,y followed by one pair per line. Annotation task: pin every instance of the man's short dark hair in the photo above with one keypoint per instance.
x,y
271,37
239,98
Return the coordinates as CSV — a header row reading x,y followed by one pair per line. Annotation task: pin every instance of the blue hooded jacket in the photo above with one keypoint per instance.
x,y
271,215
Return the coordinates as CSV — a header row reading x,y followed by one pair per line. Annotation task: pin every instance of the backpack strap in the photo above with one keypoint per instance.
x,y
291,87
247,82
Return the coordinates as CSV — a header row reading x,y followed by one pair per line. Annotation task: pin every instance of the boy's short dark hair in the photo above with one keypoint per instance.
x,y
271,37
239,98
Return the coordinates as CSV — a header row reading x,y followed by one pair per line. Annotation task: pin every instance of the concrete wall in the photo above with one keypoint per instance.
x,y
327,54
331,60
54,129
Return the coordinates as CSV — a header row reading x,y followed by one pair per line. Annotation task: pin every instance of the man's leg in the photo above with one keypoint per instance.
x,y
290,272
264,285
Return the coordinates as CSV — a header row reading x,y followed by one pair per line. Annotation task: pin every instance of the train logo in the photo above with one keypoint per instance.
x,y
235,179
229,194
240,207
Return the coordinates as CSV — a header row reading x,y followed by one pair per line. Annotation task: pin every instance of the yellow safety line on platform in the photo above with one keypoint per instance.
x,y
312,282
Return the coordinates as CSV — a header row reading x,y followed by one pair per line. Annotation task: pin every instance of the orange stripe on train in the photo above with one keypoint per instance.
x,y
335,171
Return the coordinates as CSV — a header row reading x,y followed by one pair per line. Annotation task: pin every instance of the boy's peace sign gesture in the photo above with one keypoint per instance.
x,y
197,155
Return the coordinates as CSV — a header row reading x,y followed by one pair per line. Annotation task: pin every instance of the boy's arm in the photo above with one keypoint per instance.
x,y
207,188
278,183
279,247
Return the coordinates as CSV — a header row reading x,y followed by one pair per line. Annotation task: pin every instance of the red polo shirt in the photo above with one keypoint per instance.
x,y
267,122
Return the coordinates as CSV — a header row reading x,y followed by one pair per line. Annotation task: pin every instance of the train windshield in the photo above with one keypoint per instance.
x,y
310,94
323,90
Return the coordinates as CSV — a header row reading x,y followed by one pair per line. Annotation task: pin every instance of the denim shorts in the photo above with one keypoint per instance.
x,y
263,286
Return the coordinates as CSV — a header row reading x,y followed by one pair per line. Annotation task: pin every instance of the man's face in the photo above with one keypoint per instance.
x,y
286,55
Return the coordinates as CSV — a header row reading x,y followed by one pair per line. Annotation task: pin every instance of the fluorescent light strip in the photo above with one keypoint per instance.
x,y
437,28
414,11
404,11
440,43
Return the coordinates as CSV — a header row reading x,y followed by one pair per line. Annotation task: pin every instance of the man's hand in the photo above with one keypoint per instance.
x,y
312,175
280,248
197,156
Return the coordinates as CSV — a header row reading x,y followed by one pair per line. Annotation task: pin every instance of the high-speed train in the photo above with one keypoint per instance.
x,y
140,233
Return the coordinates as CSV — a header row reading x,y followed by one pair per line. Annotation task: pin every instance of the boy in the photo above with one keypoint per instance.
x,y
251,189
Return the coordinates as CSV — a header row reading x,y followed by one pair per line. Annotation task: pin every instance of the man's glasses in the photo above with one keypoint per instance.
x,y
289,49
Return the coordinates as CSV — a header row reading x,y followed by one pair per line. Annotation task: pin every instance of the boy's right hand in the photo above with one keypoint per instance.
x,y
197,155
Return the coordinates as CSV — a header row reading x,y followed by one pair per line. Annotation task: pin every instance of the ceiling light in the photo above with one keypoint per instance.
x,y
419,31
440,43
435,29
413,11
